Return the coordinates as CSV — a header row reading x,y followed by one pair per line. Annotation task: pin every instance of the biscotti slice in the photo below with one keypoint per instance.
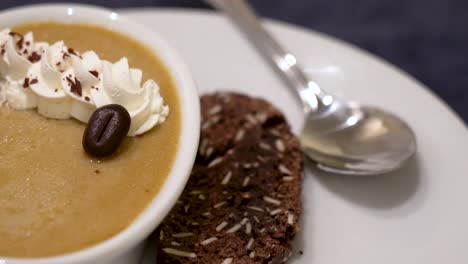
x,y
242,202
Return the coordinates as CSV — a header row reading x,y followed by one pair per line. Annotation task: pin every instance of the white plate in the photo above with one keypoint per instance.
x,y
418,215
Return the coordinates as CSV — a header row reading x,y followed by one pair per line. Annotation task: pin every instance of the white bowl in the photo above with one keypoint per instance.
x,y
126,247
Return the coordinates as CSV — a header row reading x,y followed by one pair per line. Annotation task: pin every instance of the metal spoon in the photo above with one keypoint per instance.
x,y
341,136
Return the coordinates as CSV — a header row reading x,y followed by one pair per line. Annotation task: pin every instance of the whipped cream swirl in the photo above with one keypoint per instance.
x,y
62,84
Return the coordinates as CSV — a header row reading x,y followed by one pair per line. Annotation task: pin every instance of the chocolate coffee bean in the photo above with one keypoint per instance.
x,y
106,129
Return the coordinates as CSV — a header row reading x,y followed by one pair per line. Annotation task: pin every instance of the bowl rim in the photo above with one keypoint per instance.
x,y
189,105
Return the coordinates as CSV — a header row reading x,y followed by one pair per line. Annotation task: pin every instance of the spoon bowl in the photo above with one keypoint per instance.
x,y
364,141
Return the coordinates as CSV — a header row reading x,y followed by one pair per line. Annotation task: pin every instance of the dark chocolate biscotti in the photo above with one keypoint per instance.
x,y
242,202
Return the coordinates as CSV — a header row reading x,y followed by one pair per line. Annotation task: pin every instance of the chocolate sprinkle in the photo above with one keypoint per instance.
x,y
87,98
33,81
95,73
26,83
12,33
34,57
75,86
72,51
19,43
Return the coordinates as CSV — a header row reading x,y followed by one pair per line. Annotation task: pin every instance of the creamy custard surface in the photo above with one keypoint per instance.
x,y
54,198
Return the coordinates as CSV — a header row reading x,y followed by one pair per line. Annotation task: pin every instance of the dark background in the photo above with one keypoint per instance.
x,y
426,38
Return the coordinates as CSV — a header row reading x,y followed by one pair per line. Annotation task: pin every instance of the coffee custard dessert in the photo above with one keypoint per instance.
x,y
90,126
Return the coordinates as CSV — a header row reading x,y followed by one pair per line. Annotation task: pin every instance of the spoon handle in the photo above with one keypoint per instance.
x,y
282,61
